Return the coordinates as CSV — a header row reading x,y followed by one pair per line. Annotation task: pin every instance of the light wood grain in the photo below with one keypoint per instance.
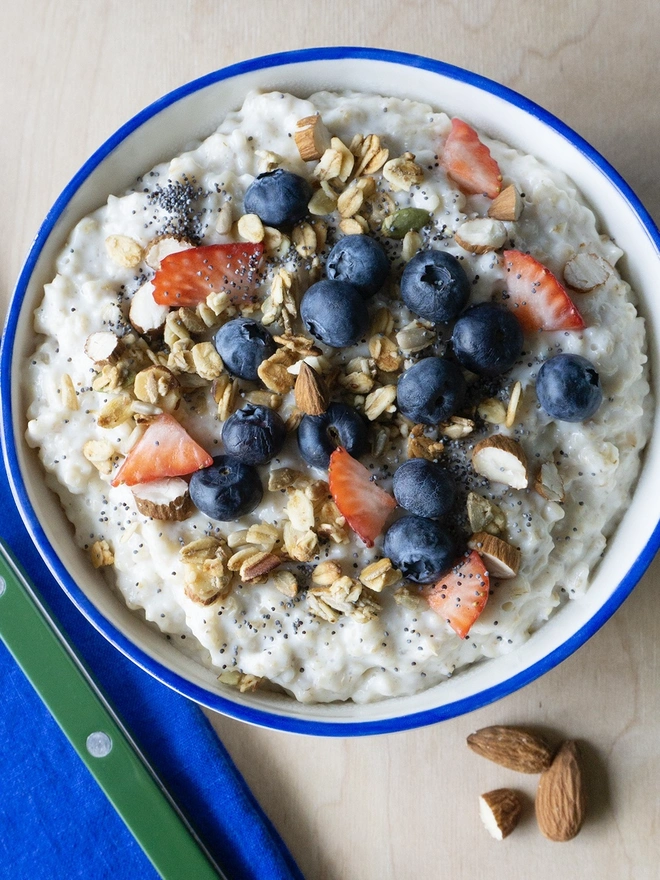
x,y
403,806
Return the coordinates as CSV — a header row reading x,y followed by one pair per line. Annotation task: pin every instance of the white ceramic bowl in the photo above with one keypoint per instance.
x,y
161,131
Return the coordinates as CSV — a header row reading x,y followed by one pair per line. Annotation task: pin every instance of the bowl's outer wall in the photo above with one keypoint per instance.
x,y
178,120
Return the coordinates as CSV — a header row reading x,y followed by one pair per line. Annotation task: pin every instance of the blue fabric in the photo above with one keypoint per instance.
x,y
55,822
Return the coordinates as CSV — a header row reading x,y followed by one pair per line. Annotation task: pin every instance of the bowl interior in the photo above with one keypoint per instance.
x,y
164,130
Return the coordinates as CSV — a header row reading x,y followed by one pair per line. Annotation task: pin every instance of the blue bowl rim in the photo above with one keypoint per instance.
x,y
175,681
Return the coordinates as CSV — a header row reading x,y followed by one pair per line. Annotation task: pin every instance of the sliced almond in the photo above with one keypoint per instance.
x,y
500,811
310,391
501,460
124,250
145,314
514,403
507,205
513,747
481,235
549,483
583,272
501,559
162,247
166,499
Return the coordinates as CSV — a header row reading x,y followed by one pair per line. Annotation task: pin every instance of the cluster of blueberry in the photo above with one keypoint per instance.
x,y
487,339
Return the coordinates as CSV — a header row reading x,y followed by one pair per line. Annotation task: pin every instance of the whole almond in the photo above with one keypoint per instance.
x,y
561,797
512,747
310,391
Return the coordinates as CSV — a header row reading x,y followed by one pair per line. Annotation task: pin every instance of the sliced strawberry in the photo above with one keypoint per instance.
x,y
165,449
364,504
460,596
186,277
537,298
468,161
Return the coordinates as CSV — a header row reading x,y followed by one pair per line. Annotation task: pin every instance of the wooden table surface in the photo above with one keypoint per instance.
x,y
402,806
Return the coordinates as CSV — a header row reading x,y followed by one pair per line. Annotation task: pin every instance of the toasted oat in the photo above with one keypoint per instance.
x,y
250,228
326,573
124,251
370,155
346,596
304,240
237,539
285,581
264,535
157,385
207,361
101,454
357,382
380,574
382,322
322,203
300,545
268,161
350,201
385,353
408,598
330,523
101,554
319,608
225,393
115,412
457,427
347,158
293,420
175,329
421,446
403,173
415,336
281,478
300,511
220,303
273,371
329,166
379,401
354,225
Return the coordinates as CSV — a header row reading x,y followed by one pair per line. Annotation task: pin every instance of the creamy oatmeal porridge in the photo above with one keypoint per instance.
x,y
148,350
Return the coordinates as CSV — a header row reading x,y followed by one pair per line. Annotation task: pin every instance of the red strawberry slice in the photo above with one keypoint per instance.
x,y
364,504
460,596
538,300
468,161
165,449
187,277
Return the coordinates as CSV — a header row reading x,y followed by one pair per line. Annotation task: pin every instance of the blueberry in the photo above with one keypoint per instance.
x,y
340,425
419,547
279,197
488,339
334,312
226,489
431,391
424,488
568,388
243,344
361,261
254,434
434,286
